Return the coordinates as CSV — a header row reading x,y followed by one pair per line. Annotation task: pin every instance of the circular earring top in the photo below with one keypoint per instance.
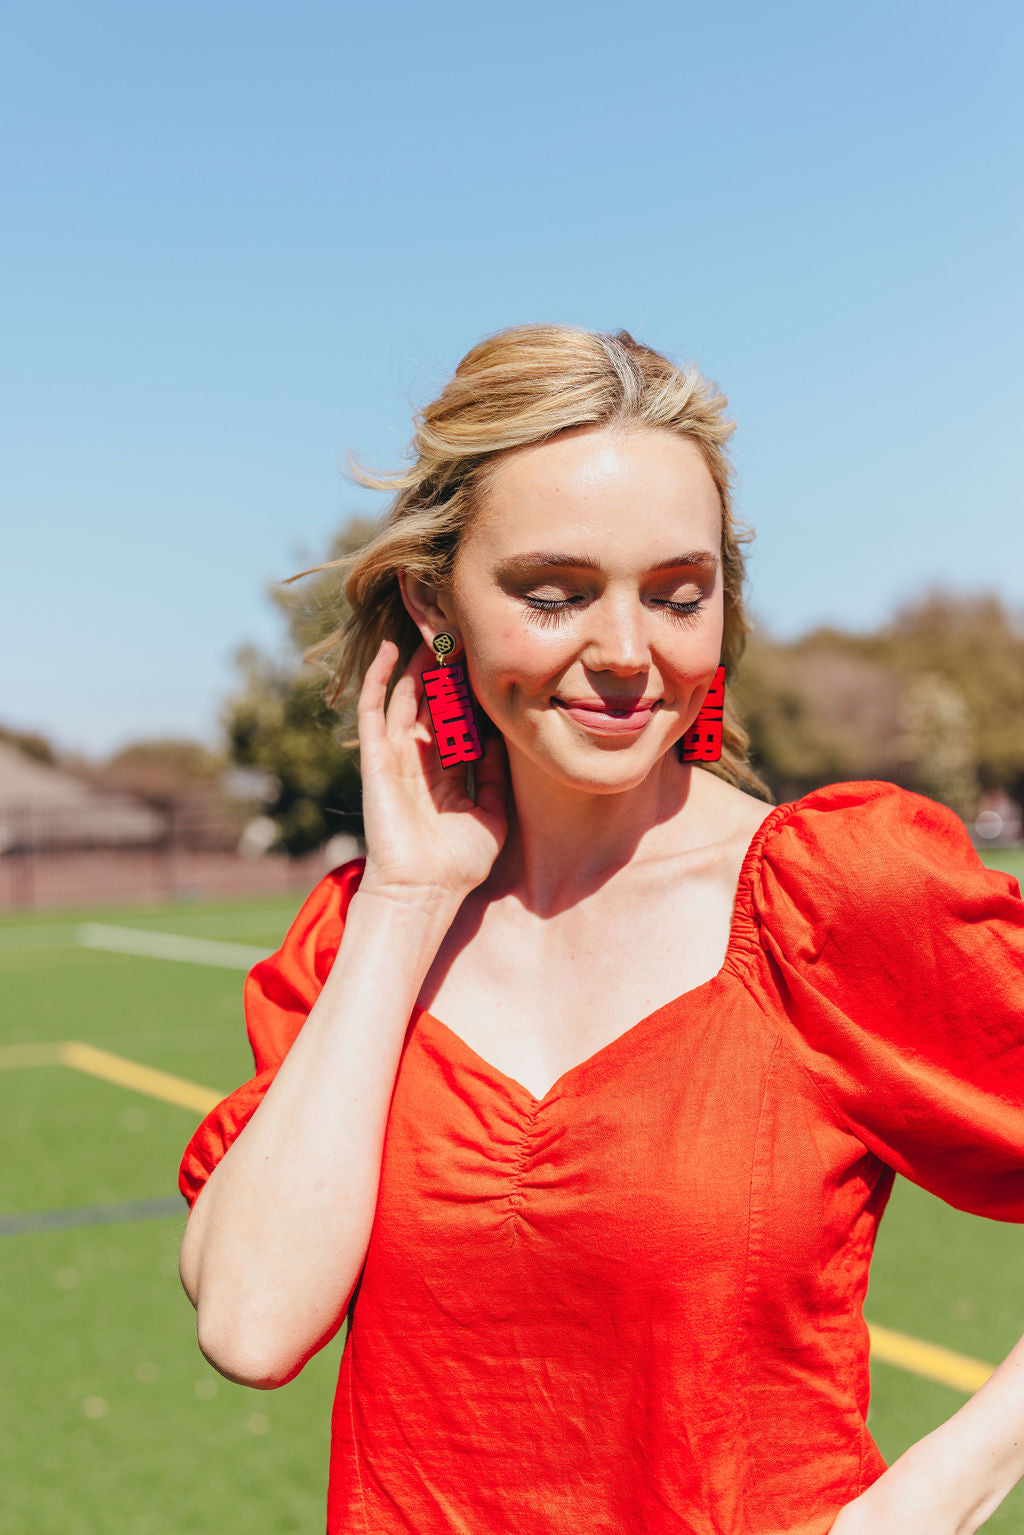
x,y
443,645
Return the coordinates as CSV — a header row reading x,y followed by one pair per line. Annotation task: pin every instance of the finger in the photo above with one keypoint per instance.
x,y
421,660
370,709
419,705
409,680
404,706
378,674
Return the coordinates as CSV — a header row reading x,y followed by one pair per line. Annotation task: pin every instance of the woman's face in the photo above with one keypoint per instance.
x,y
588,596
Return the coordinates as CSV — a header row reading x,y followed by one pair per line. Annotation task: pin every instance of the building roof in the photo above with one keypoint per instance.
x,y
43,805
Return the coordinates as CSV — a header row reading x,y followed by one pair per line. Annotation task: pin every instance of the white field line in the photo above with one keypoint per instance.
x,y
192,951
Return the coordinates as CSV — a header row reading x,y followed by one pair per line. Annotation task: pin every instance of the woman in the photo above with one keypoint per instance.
x,y
602,1274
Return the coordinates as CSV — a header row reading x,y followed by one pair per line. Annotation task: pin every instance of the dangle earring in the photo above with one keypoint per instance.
x,y
451,707
703,741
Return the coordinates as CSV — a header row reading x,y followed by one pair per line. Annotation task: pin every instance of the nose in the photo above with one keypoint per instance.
x,y
616,635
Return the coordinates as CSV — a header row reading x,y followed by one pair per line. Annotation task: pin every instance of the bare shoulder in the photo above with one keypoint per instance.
x,y
719,816
689,868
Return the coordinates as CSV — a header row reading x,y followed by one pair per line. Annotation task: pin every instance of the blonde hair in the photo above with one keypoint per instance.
x,y
522,386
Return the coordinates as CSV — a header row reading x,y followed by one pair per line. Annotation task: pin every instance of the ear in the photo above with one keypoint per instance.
x,y
427,606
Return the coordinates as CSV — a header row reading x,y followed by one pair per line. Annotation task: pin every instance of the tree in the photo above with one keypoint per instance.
x,y
29,742
933,700
278,721
937,742
816,714
977,645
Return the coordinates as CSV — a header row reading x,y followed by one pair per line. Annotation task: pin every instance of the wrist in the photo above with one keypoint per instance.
x,y
411,920
392,937
407,902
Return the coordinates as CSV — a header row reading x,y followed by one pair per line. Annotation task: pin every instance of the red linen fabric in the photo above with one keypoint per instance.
x,y
633,1307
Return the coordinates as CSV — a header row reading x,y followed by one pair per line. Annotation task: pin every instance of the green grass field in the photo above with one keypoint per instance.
x,y
114,1423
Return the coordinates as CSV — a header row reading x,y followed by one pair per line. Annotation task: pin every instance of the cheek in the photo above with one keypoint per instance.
x,y
514,659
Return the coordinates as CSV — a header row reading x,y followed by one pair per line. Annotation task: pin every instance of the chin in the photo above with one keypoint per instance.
x,y
600,772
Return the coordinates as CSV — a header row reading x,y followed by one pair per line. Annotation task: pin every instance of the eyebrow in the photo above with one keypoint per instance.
x,y
519,564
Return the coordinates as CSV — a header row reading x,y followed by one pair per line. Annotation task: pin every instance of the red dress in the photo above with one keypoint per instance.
x,y
633,1306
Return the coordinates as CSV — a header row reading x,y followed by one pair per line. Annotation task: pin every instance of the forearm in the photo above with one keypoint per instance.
x,y
277,1238
979,1451
954,1478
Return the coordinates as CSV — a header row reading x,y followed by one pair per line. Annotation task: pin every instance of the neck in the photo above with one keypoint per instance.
x,y
564,842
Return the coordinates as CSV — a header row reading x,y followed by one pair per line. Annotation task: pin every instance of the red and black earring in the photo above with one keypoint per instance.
x,y
703,741
451,707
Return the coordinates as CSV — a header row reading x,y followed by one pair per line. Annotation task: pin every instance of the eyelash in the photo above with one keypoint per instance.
x,y
548,611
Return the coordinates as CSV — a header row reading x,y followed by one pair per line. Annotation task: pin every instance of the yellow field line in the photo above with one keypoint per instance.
x,y
48,1054
141,1079
928,1359
113,1068
914,1355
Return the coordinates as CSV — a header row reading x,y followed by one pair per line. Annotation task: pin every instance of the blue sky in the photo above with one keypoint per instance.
x,y
245,239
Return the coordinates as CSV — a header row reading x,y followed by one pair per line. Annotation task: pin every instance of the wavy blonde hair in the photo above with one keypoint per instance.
x,y
522,386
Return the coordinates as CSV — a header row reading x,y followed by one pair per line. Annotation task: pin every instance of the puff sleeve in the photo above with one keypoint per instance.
x,y
899,960
279,994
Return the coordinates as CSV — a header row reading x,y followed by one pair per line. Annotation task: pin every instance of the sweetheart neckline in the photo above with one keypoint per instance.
x,y
741,938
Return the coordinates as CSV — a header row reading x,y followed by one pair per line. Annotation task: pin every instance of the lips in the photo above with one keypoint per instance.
x,y
608,705
609,716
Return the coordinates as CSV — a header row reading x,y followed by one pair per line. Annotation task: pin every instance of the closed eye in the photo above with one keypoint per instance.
x,y
548,610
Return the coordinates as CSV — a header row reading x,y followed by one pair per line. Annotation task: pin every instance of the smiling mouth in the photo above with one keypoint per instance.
x,y
629,718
